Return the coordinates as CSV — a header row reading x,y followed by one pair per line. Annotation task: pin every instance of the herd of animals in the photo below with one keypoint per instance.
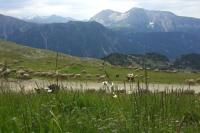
x,y
25,74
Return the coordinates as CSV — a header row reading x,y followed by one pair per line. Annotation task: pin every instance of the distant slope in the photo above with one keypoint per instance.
x,y
48,19
170,44
152,60
189,61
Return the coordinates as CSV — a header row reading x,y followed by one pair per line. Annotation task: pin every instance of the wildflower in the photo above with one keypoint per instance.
x,y
49,91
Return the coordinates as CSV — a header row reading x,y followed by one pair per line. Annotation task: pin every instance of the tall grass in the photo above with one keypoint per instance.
x,y
69,111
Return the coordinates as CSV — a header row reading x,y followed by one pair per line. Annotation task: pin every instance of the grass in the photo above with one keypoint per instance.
x,y
43,60
86,112
70,111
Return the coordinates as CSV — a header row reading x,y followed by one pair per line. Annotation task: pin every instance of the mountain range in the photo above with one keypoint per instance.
x,y
142,20
48,19
108,33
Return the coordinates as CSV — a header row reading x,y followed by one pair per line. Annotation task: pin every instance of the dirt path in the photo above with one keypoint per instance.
x,y
31,84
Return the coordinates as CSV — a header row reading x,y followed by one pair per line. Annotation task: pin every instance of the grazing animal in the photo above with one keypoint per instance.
x,y
102,78
156,70
77,76
130,77
5,72
21,74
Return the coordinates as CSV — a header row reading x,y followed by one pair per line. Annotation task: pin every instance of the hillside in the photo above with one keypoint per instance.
x,y
17,56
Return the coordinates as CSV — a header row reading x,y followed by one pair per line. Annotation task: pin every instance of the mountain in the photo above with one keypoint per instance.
x,y
88,39
142,20
91,39
152,60
48,19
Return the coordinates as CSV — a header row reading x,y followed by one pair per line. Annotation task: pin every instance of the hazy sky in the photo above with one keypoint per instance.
x,y
84,9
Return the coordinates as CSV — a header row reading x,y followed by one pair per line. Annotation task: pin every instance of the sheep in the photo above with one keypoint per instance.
x,y
140,68
36,74
49,74
156,70
26,76
130,77
29,70
5,72
64,76
21,74
43,74
77,76
102,78
148,68
175,71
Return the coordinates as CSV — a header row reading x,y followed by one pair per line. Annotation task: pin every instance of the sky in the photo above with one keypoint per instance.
x,y
85,9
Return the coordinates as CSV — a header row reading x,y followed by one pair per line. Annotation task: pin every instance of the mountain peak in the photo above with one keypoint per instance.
x,y
107,12
136,9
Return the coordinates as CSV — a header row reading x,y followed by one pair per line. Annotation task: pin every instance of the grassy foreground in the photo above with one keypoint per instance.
x,y
99,112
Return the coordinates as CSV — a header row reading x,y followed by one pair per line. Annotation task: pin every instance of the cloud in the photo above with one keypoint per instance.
x,y
84,9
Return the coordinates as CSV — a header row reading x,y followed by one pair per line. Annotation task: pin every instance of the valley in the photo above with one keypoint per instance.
x,y
133,71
